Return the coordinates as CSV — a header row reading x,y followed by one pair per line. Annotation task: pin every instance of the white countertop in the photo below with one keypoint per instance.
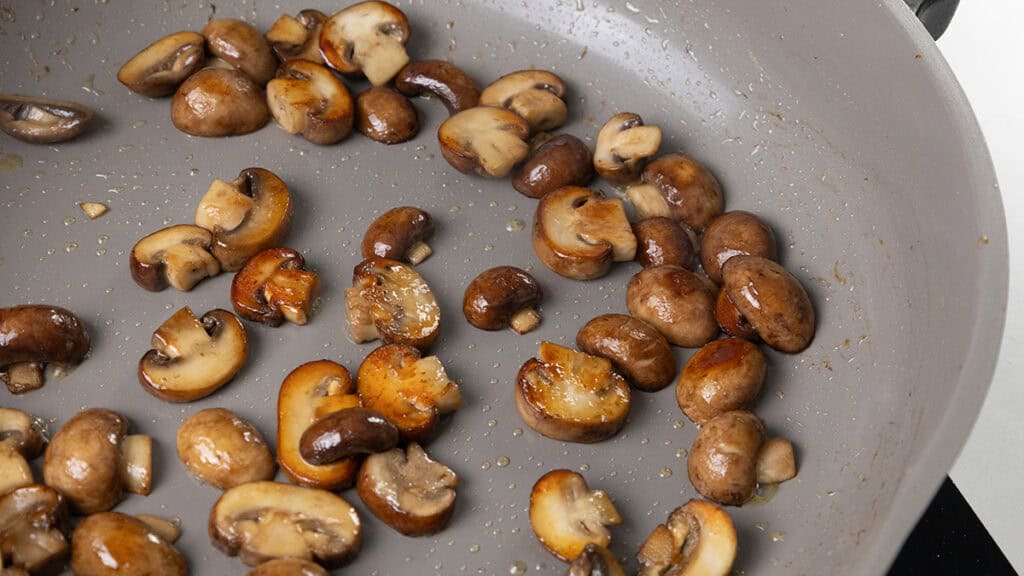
x,y
984,49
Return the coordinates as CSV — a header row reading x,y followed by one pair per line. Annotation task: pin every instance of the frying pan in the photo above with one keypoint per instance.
x,y
838,122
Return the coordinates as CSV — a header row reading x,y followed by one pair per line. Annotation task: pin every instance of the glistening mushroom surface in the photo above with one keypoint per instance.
x,y
679,303
772,300
33,528
297,36
723,375
623,145
566,514
242,46
408,490
638,351
288,567
503,296
275,286
722,463
391,301
385,116
158,69
41,120
676,185
698,539
347,433
114,544
400,234
178,256
223,450
595,561
485,140
34,335
367,37
305,98
559,161
216,102
441,79
662,240
538,96
735,233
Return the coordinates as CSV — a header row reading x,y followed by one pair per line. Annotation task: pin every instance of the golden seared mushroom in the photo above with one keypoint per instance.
x,y
662,240
242,47
33,336
311,392
251,213
595,561
698,539
538,96
566,514
391,301
33,528
193,357
41,120
178,256
92,459
677,186
261,521
306,98
162,66
558,161
288,567
275,286
679,303
623,145
408,490
724,375
217,102
115,544
578,233
636,349
503,297
400,234
411,391
441,79
367,37
485,140
347,433
21,432
771,300
736,233
385,116
297,37
223,450
571,396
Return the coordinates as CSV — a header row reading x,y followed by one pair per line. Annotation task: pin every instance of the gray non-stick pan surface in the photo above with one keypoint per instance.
x,y
838,122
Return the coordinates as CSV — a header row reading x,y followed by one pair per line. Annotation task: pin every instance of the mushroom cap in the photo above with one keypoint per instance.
x,y
735,233
691,192
307,98
441,79
309,393
347,433
158,69
297,37
216,102
408,491
384,115
394,232
33,528
577,233
288,567
595,560
723,375
636,349
397,301
242,46
772,300
485,140
367,37
83,460
178,256
623,145
538,96
571,396
41,333
722,463
111,543
260,521
661,240
274,285
21,431
559,161
41,120
497,294
679,303
731,320
566,514
699,539
193,357
223,450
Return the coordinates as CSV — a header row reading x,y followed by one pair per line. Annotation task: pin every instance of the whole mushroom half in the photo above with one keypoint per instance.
x,y
306,98
724,375
485,140
441,79
249,214
566,515
275,286
367,37
736,233
571,396
297,37
41,120
400,234
178,256
558,161
33,336
261,521
193,357
162,66
384,115
677,186
577,233
92,459
33,530
347,433
623,145
679,303
538,96
698,539
21,432
503,297
408,490
216,102
771,300
595,560
661,240
115,544
636,349
288,567
391,301
241,46
223,450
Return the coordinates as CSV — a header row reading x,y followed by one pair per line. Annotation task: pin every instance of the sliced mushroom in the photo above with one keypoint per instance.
x,y
504,296
21,432
34,335
14,470
288,567
724,375
486,141
223,450
662,240
566,514
166,529
595,561
40,120
623,145
578,233
275,286
347,433
33,528
297,37
678,186
400,234
411,391
218,102
698,539
115,544
260,521
636,349
162,66
736,233
242,46
538,96
193,357
408,490
178,256
679,303
367,37
391,301
562,160
306,98
772,300
251,213
87,461
571,396
441,79
311,392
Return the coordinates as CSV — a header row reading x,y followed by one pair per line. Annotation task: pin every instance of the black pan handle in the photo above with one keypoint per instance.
x,y
934,14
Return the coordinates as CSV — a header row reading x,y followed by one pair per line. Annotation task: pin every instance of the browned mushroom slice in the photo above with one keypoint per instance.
x,y
571,396
484,140
34,335
178,256
367,37
40,120
566,514
556,162
33,525
623,145
275,286
306,98
111,543
288,567
724,375
441,79
260,521
391,301
638,351
223,450
736,233
772,300
538,96
21,432
297,37
347,433
697,540
162,66
595,560
217,102
242,46
578,233
408,490
504,296
678,186
249,214
679,303
400,234
661,240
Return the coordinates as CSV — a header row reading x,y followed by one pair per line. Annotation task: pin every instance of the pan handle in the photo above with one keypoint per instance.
x,y
934,14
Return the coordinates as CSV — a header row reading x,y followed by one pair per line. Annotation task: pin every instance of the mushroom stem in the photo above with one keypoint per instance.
x,y
137,464
525,320
418,252
23,377
776,462
648,201
162,528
